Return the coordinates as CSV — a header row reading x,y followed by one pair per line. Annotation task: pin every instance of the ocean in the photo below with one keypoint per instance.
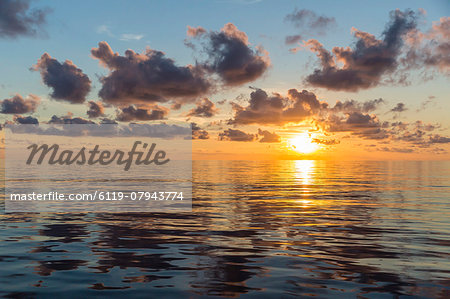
x,y
325,229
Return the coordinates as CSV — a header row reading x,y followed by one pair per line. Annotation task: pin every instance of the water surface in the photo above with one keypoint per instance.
x,y
257,229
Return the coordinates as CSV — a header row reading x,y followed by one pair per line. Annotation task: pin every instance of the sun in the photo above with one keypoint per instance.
x,y
303,143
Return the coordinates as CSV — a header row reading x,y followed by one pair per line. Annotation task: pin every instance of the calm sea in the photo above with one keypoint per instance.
x,y
257,229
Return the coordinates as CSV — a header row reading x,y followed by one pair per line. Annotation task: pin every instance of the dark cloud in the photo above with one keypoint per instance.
x,y
95,109
431,49
292,39
414,133
417,133
198,133
359,119
399,125
359,124
236,135
216,125
261,109
68,82
399,108
25,120
363,65
439,139
354,106
230,55
309,21
132,113
268,136
16,19
326,141
350,116
204,108
62,126
69,120
412,136
19,105
149,77
107,121
276,109
420,125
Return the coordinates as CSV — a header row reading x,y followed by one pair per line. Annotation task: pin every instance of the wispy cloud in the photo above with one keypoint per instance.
x,y
131,36
18,19
104,29
308,21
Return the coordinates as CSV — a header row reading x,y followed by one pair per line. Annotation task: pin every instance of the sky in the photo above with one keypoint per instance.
x,y
258,79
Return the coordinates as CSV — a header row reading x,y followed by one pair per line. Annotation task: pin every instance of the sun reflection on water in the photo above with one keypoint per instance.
x,y
304,170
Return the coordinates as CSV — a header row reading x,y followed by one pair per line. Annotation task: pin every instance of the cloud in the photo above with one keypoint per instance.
x,y
420,125
132,113
415,136
104,29
69,120
414,133
25,120
204,108
230,55
107,121
155,130
399,125
425,104
19,105
326,141
363,65
276,109
198,133
439,139
95,109
354,117
68,82
16,19
350,116
431,49
399,108
309,21
268,136
292,39
148,77
62,126
195,31
397,150
357,123
236,135
354,106
131,36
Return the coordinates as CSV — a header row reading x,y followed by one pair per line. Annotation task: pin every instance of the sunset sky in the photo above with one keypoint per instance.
x,y
258,79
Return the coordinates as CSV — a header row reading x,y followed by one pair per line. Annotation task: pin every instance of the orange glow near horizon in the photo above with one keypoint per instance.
x,y
303,143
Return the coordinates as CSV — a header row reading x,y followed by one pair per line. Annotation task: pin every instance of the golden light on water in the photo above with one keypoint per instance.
x,y
304,171
303,143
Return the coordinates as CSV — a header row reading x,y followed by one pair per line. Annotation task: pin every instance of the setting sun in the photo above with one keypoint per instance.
x,y
303,143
